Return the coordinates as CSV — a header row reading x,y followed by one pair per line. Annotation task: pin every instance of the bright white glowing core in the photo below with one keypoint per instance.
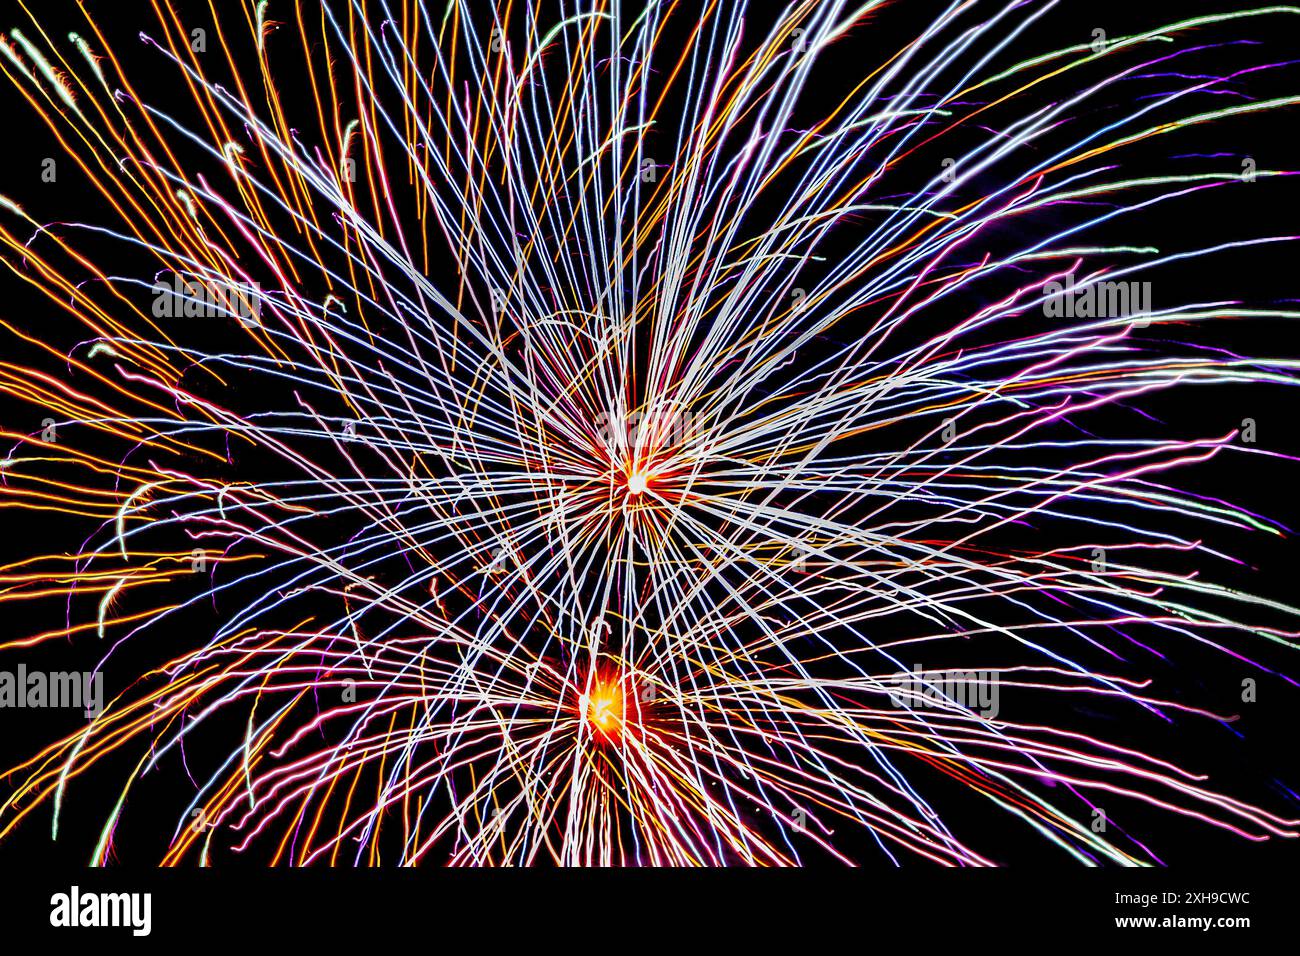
x,y
636,483
603,707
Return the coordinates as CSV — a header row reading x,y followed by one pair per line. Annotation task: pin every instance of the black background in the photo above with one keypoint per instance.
x,y
1254,759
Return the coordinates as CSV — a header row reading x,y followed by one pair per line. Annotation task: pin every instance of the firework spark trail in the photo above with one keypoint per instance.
x,y
593,555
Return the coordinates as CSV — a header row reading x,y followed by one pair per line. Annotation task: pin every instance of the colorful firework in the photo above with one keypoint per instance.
x,y
552,434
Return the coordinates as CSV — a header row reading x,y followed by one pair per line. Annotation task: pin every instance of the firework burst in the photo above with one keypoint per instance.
x,y
554,434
